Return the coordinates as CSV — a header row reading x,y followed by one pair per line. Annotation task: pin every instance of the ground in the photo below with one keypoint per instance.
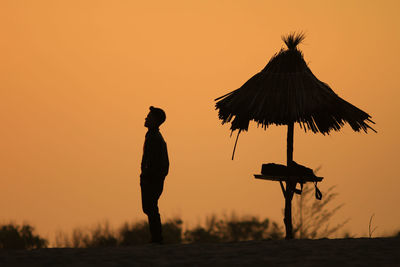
x,y
322,252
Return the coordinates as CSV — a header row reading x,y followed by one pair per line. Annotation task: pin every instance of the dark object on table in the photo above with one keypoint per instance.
x,y
300,170
273,169
294,169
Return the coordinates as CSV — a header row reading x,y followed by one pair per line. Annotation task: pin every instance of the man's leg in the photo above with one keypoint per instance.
x,y
150,195
155,227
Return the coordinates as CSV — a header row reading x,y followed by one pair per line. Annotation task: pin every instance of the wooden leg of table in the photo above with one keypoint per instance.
x,y
283,189
288,209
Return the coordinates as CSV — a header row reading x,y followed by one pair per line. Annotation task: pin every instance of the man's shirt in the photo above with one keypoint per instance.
x,y
155,162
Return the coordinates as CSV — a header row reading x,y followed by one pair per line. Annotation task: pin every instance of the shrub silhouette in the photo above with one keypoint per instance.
x,y
134,234
312,216
234,229
127,235
100,236
201,235
231,229
20,237
209,234
172,231
138,233
397,235
247,229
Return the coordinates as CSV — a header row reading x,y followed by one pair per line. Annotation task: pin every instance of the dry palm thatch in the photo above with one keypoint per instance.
x,y
286,91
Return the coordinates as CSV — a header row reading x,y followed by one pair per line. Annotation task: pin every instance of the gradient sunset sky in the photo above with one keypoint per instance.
x,y
77,78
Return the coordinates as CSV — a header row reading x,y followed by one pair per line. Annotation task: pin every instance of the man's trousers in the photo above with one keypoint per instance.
x,y
151,192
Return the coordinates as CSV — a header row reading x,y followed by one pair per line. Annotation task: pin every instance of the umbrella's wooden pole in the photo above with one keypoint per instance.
x,y
290,133
290,186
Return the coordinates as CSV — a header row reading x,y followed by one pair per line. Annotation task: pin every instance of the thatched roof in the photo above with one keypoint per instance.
x,y
287,91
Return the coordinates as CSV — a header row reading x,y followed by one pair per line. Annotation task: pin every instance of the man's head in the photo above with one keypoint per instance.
x,y
155,118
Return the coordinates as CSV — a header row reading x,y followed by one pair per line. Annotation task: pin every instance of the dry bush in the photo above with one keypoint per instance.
x,y
13,236
312,217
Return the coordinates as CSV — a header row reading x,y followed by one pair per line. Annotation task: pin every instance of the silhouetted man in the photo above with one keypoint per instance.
x,y
155,165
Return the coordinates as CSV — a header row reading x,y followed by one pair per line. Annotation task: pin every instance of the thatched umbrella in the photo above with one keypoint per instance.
x,y
285,92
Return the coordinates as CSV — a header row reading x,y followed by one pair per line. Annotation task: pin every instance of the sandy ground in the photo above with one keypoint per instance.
x,y
323,252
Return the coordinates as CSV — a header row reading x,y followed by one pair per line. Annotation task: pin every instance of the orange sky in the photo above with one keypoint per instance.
x,y
77,78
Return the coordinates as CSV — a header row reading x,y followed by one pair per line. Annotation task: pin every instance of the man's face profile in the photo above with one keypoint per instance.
x,y
150,122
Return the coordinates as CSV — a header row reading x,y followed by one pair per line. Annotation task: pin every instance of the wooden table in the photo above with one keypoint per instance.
x,y
288,192
302,179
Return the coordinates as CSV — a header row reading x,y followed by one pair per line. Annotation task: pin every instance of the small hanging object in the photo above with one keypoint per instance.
x,y
234,148
318,194
299,191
